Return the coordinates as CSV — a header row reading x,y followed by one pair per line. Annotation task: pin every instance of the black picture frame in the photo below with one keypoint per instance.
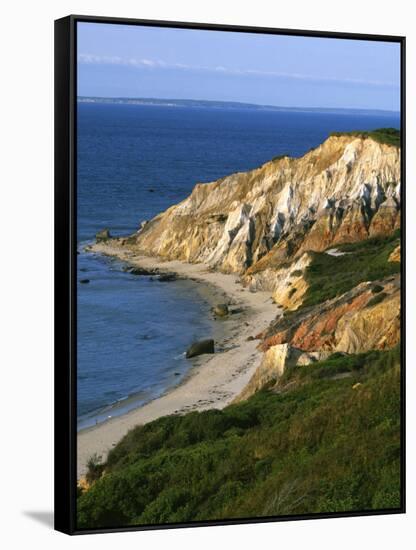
x,y
66,265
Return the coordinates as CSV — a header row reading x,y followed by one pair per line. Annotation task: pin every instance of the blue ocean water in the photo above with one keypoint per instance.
x,y
133,162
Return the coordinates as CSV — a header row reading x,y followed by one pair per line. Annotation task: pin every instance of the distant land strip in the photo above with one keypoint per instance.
x,y
197,103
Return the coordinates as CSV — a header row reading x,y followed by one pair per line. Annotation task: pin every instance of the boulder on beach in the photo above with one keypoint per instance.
x,y
221,310
140,271
103,235
199,348
167,277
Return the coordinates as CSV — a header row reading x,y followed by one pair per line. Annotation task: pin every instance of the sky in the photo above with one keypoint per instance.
x,y
287,71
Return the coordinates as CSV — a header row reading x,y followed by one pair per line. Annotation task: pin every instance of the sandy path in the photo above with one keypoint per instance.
x,y
215,379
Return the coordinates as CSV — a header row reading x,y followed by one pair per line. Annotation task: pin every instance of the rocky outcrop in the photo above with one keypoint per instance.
x,y
345,190
276,360
287,284
103,236
395,256
374,327
354,322
365,318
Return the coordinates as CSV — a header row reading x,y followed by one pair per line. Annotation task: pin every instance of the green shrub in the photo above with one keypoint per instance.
x,y
376,289
377,299
320,447
280,157
95,468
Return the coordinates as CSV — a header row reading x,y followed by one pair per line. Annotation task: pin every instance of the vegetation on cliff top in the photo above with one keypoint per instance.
x,y
320,443
388,136
329,276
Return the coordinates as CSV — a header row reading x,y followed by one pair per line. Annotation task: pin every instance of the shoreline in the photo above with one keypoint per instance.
x,y
220,331
213,381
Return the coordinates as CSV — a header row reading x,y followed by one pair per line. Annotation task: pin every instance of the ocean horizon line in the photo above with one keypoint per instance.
x,y
212,103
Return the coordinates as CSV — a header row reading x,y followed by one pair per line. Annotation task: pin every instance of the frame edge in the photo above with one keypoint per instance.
x,y
65,259
64,484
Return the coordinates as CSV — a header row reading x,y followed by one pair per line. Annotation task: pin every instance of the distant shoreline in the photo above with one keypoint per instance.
x,y
231,105
214,380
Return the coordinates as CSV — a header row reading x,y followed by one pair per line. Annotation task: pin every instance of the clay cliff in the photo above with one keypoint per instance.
x,y
320,233
345,190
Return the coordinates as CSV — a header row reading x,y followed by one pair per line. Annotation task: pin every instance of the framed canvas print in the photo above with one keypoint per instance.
x,y
229,274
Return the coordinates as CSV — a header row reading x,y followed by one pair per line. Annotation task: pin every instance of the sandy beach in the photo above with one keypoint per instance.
x,y
214,380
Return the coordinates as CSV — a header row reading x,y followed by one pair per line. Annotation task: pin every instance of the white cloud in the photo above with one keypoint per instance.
x,y
93,59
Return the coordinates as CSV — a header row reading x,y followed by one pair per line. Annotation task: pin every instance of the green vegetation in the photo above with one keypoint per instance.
x,y
329,276
376,289
280,157
377,299
388,136
327,440
95,468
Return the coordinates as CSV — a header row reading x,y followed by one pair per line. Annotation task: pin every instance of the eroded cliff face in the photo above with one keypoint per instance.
x,y
395,256
275,361
357,321
343,191
287,283
267,224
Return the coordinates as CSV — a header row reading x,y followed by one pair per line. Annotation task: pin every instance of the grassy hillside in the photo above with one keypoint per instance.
x,y
329,276
319,443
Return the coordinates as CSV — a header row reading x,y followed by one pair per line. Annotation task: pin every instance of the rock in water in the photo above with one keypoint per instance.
x,y
103,236
140,271
199,348
84,281
167,277
221,310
